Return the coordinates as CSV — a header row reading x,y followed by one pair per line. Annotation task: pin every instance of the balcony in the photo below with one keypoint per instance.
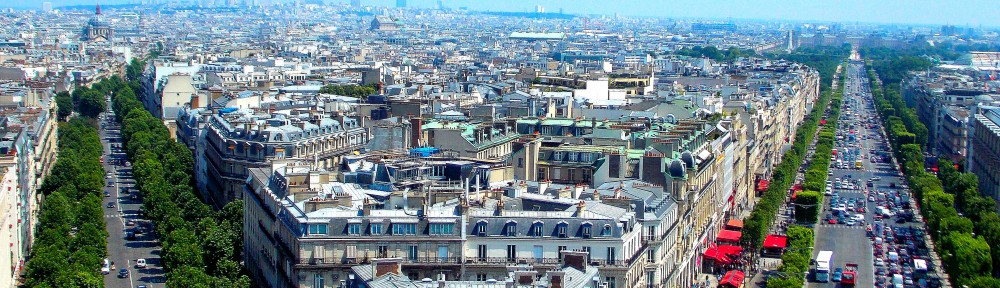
x,y
343,261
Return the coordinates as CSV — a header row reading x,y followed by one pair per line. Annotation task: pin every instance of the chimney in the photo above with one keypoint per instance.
x,y
577,191
366,209
597,196
575,259
580,208
556,279
386,266
525,278
542,186
194,101
499,209
441,281
416,125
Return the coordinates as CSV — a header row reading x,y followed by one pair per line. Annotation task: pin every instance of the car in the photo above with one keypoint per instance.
x,y
141,286
107,194
851,222
130,223
140,263
102,159
838,274
129,235
832,221
123,273
106,267
111,204
879,262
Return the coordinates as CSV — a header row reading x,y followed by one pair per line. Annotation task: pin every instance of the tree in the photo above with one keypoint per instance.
x,y
967,256
91,103
188,276
65,103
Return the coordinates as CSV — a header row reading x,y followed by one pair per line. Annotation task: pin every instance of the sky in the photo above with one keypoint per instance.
x,y
933,12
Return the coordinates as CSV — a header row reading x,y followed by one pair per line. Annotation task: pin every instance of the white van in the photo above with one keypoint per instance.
x,y
106,267
897,281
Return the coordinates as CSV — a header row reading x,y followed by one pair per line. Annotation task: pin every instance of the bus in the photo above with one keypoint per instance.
x,y
824,260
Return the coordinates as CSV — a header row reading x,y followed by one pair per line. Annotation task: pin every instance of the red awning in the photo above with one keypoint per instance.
x,y
797,187
762,185
730,249
733,278
715,254
775,241
795,194
822,122
734,224
729,236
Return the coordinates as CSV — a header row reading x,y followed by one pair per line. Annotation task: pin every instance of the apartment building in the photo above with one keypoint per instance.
x,y
985,146
228,141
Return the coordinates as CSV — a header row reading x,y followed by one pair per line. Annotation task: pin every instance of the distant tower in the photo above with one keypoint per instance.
x,y
47,7
440,4
356,3
400,3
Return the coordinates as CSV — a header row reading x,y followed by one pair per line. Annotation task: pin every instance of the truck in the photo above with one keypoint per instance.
x,y
850,275
823,262
858,164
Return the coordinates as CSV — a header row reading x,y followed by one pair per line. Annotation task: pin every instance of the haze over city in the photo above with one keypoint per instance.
x,y
929,12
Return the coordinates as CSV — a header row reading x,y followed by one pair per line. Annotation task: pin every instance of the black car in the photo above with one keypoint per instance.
x,y
123,273
129,235
111,204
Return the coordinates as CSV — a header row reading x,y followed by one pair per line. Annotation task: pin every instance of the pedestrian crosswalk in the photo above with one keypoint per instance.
x,y
111,216
842,226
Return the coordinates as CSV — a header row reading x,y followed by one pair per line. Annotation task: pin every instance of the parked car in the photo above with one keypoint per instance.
x,y
140,263
123,273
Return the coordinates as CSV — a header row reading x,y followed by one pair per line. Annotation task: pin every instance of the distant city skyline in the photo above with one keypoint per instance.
x,y
925,12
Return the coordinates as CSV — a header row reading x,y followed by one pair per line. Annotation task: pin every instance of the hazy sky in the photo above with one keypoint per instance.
x,y
955,12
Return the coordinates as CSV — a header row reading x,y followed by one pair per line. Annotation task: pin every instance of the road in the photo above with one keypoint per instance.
x,y
851,243
127,208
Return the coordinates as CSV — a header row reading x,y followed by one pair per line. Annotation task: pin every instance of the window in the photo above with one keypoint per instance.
x,y
375,229
354,229
611,255
481,229
557,156
587,249
561,230
585,230
404,229
520,162
610,281
481,252
411,253
556,173
383,251
572,174
536,230
650,256
572,156
606,232
479,277
560,249
442,228
587,157
543,174
511,229
586,175
317,229
511,252
318,281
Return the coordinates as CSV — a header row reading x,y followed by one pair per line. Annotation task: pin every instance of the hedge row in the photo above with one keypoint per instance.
x,y
810,200
71,239
963,239
756,226
795,261
201,247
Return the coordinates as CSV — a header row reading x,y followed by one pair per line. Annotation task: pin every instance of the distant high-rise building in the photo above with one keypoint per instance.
x,y
539,9
400,3
47,7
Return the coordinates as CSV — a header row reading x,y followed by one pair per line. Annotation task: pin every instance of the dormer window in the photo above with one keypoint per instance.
x,y
481,229
536,229
606,232
557,156
510,229
561,230
585,230
572,157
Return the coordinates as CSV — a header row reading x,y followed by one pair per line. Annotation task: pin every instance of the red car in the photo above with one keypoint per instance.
x,y
832,221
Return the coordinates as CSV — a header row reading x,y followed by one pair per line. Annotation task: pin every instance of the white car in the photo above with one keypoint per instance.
x,y
140,263
879,262
106,267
